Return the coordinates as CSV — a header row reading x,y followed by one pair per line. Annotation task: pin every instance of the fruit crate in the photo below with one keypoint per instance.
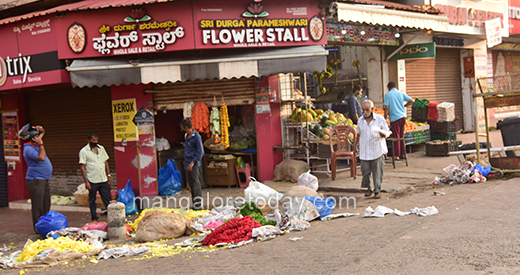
x,y
441,136
409,137
442,127
324,151
421,136
442,149
446,111
419,114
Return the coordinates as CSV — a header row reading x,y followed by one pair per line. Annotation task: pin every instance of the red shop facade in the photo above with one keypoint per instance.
x,y
148,60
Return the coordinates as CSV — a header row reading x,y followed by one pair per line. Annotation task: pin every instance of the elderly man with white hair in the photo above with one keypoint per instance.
x,y
372,147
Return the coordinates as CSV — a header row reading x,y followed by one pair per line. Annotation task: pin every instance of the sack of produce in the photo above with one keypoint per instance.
x,y
290,170
51,221
308,180
157,225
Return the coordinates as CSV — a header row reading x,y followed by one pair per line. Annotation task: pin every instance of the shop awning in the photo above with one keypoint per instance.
x,y
389,17
197,66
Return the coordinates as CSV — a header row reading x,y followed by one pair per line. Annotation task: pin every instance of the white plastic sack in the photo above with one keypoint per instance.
x,y
124,250
266,231
376,131
162,144
260,193
302,209
309,180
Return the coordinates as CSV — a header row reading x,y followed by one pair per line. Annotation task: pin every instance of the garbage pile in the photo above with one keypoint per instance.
x,y
467,172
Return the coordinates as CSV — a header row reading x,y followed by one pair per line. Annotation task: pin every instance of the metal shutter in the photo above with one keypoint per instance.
x,y
232,91
67,116
437,79
3,177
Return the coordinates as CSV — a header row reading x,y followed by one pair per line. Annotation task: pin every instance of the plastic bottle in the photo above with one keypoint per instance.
x,y
116,221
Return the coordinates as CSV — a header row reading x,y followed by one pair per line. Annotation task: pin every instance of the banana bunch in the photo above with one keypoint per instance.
x,y
356,63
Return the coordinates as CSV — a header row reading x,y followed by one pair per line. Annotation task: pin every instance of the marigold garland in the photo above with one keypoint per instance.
x,y
224,125
200,118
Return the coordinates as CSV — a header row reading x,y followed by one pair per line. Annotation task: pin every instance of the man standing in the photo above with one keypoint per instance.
x,y
395,110
39,170
354,107
93,160
193,152
372,148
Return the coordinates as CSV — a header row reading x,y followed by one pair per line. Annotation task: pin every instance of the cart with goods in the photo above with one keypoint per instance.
x,y
493,92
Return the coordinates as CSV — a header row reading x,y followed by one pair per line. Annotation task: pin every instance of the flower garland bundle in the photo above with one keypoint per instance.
x,y
233,231
214,119
200,118
224,125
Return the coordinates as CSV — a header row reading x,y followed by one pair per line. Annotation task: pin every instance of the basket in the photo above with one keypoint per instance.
x,y
432,111
442,136
446,111
82,199
419,114
442,149
420,103
443,127
422,136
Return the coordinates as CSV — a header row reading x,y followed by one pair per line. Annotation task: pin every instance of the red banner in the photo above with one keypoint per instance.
x,y
123,31
28,55
514,16
268,23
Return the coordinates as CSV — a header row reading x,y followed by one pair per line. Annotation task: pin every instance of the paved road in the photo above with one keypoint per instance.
x,y
476,232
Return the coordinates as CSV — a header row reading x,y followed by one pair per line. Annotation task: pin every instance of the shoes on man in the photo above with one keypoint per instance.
x,y
104,213
368,193
377,195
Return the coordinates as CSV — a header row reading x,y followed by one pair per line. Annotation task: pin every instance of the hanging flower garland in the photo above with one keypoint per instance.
x,y
214,119
224,125
200,118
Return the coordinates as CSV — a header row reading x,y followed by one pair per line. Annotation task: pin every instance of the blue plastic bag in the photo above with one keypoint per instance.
x,y
324,206
127,197
483,170
51,221
169,179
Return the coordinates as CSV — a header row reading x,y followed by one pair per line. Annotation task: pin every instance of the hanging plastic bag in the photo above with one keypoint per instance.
x,y
127,197
162,144
259,192
324,206
309,180
51,221
483,170
169,179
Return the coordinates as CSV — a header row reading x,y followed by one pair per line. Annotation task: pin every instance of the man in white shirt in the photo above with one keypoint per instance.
x,y
93,159
372,148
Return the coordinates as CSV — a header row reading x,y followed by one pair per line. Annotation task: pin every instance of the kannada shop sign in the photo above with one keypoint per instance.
x,y
24,63
124,31
423,50
268,23
337,32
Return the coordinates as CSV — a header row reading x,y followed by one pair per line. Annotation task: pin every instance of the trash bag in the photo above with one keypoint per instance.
x,y
309,180
51,221
259,192
324,206
170,182
127,197
483,170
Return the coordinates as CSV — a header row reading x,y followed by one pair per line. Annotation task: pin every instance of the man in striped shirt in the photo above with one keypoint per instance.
x,y
372,147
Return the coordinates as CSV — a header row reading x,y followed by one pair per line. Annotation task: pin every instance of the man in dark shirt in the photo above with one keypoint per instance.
x,y
193,152
354,107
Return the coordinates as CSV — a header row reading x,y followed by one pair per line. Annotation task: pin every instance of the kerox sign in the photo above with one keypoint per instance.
x,y
123,31
24,63
268,23
514,16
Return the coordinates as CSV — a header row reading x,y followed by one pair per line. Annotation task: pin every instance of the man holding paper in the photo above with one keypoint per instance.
x,y
372,130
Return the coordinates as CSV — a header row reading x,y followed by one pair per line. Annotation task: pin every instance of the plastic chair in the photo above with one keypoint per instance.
x,y
343,150
246,172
